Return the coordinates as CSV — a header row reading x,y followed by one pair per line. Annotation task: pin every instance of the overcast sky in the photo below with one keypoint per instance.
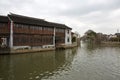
x,y
81,15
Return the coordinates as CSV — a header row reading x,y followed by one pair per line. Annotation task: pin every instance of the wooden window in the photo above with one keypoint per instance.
x,y
68,31
3,25
40,28
68,39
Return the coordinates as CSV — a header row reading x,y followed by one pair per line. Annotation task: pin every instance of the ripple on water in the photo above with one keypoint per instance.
x,y
81,64
37,77
1,78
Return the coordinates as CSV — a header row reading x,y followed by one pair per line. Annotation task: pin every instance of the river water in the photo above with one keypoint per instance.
x,y
88,62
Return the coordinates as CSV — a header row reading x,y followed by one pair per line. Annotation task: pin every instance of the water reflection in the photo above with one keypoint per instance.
x,y
88,62
35,65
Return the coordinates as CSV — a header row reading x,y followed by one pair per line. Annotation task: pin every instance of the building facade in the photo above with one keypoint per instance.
x,y
4,31
17,31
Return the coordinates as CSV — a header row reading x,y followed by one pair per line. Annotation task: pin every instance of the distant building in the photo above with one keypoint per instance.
x,y
17,31
117,34
75,38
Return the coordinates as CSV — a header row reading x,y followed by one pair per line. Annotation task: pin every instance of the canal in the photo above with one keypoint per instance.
x,y
88,62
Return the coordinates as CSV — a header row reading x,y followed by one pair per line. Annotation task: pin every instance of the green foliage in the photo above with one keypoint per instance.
x,y
91,35
73,39
115,39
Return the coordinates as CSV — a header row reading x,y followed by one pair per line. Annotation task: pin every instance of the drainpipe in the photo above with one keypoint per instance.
x,y
11,34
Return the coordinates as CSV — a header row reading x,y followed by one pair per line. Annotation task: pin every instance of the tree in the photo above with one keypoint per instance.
x,y
73,39
91,35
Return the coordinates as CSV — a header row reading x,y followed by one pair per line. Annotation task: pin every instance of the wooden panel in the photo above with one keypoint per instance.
x,y
32,40
4,28
59,40
28,29
60,34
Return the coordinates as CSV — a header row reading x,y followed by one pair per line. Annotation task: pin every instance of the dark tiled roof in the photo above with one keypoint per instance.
x,y
118,34
59,25
4,19
27,20
34,21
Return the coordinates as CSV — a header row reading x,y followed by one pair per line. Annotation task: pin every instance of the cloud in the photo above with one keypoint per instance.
x,y
82,7
99,15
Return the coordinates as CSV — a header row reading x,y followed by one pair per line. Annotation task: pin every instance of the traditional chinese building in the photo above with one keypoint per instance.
x,y
4,31
22,32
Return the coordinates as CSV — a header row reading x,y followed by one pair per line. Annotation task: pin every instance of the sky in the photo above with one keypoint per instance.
x,y
81,15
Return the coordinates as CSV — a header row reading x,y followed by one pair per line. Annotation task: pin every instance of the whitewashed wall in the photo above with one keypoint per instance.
x,y
68,35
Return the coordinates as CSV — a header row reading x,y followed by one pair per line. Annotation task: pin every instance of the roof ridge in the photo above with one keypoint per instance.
x,y
3,16
35,21
12,14
56,23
